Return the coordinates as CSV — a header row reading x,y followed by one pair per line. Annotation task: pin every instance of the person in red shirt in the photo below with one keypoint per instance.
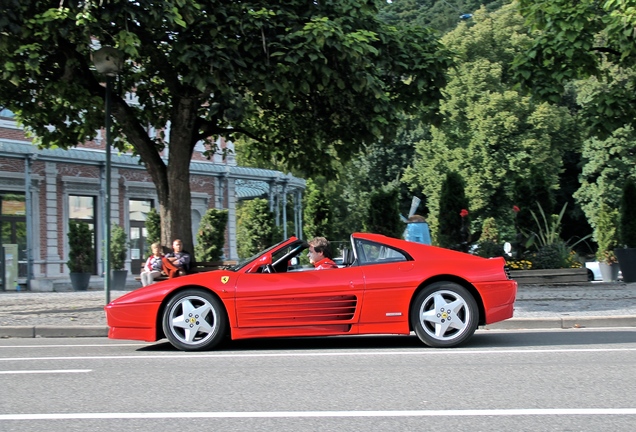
x,y
320,254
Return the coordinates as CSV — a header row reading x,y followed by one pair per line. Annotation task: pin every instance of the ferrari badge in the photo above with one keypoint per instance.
x,y
224,279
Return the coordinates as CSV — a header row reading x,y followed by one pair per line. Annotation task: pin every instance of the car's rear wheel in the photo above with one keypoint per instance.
x,y
444,314
194,320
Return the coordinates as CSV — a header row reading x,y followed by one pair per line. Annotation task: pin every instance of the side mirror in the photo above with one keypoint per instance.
x,y
262,261
294,262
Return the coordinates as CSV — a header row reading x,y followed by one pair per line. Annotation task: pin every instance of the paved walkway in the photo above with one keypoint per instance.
x,y
76,314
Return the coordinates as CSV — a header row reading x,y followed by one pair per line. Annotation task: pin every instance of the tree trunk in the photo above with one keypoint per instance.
x,y
175,209
172,180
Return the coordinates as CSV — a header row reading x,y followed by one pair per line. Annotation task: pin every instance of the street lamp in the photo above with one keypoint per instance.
x,y
108,61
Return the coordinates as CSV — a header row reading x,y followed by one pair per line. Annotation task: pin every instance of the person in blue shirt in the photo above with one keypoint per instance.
x,y
417,230
177,262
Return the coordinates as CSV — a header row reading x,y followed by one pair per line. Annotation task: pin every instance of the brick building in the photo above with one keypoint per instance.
x,y
70,184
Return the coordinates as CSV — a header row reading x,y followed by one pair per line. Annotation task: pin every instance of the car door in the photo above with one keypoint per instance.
x,y
299,299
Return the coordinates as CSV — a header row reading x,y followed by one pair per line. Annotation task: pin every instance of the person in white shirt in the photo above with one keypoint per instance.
x,y
153,266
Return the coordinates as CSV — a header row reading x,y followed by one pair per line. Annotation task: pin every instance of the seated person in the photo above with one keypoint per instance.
x,y
153,266
177,262
320,254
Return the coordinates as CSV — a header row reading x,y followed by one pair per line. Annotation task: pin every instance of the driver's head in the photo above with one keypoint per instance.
x,y
318,249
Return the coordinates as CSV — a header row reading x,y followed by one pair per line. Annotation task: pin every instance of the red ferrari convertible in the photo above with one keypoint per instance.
x,y
384,285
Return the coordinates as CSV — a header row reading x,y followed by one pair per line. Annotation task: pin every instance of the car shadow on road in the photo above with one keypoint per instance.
x,y
481,340
308,343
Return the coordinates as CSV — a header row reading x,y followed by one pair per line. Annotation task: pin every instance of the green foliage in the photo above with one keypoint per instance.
x,y
606,234
452,201
489,230
575,40
211,236
554,255
440,15
548,228
118,247
317,215
530,194
488,249
491,133
384,216
488,244
153,229
81,255
256,227
551,250
627,219
607,166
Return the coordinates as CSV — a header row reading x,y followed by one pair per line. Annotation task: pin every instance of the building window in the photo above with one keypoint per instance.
x,y
82,209
13,226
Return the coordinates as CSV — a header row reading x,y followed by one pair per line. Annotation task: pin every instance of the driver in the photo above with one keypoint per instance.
x,y
320,254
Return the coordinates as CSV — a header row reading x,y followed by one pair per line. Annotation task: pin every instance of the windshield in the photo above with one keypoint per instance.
x,y
243,262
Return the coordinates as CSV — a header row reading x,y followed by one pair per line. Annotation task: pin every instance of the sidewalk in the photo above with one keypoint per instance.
x,y
81,313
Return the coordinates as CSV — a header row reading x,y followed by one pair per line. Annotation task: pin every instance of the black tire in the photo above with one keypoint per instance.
x,y
444,315
194,320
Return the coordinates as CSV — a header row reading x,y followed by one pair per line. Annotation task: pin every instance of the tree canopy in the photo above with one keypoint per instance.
x,y
575,40
491,135
305,81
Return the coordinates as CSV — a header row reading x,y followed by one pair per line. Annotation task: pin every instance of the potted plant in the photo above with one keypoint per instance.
x,y
626,254
606,236
81,256
118,254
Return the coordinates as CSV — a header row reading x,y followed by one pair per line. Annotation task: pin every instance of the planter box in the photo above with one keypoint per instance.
x,y
551,276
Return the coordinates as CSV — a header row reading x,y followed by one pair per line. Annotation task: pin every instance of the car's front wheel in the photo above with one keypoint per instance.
x,y
194,320
444,314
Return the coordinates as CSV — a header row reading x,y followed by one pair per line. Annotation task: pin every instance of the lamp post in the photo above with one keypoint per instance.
x,y
108,62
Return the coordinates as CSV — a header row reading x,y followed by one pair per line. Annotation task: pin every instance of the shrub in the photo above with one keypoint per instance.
x,y
81,256
451,202
606,234
118,247
552,251
489,230
256,227
211,236
153,229
489,249
384,213
552,256
317,214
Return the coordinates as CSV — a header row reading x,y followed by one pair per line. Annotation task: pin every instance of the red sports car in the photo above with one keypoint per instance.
x,y
384,285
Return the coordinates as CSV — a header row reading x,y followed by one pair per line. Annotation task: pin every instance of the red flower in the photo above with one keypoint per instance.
x,y
516,209
463,213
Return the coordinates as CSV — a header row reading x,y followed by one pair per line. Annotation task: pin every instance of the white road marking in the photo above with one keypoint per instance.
x,y
445,352
52,371
300,414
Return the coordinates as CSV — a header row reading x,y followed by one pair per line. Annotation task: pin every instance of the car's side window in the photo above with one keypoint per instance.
x,y
376,253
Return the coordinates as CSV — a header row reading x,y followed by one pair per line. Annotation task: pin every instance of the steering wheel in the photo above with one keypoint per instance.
x,y
268,268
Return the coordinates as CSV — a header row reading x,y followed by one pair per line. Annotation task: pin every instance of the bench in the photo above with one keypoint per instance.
x,y
200,267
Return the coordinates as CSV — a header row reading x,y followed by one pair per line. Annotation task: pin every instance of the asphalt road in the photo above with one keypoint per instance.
x,y
580,379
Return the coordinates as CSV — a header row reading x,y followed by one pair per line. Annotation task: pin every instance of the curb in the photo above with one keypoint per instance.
x,y
53,331
563,322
